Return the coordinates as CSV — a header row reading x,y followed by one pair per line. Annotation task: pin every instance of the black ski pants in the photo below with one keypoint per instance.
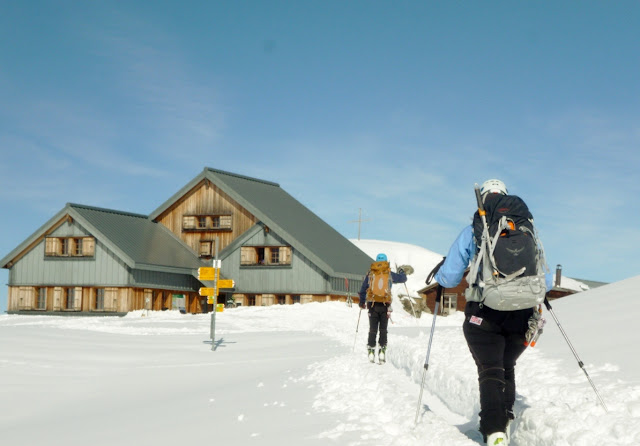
x,y
496,340
378,320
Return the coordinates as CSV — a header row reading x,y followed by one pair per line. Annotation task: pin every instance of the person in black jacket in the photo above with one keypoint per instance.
x,y
495,338
379,311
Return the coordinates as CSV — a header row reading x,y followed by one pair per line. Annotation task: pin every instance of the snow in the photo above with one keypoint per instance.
x,y
298,374
572,284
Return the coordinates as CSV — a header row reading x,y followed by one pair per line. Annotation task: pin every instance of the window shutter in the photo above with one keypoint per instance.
x,y
77,299
25,298
110,298
52,246
285,255
205,248
49,246
57,298
248,255
244,256
88,246
31,297
225,221
188,222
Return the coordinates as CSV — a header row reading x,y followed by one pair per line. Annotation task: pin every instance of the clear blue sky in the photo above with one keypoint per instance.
x,y
397,108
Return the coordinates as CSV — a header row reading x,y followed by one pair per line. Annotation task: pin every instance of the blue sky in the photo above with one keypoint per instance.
x,y
396,108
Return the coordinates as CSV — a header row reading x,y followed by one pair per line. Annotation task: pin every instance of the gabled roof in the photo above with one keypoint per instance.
x,y
590,283
274,207
138,241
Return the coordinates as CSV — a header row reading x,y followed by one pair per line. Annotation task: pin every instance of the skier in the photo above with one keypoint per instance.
x,y
496,338
375,294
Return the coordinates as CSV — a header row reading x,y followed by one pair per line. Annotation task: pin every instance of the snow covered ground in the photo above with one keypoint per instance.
x,y
299,375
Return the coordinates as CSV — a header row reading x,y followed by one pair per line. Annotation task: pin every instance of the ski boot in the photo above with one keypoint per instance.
x,y
382,354
372,354
497,439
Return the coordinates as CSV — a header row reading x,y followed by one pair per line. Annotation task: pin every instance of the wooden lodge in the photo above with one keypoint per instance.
x,y
453,299
92,261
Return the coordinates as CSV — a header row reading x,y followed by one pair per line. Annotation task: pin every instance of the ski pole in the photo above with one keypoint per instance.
x,y
426,361
357,325
410,301
580,363
409,297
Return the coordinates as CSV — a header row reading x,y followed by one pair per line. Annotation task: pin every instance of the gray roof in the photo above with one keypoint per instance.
x,y
590,283
289,218
135,239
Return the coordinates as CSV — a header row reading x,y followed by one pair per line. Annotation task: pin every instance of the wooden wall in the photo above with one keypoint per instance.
x,y
272,299
458,291
206,199
116,299
430,295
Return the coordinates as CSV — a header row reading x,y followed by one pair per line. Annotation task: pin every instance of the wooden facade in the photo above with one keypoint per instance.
x,y
206,201
452,298
97,301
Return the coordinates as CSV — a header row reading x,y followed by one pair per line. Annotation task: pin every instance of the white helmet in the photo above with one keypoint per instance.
x,y
493,186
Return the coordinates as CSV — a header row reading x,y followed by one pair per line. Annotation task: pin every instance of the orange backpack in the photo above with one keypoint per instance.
x,y
379,282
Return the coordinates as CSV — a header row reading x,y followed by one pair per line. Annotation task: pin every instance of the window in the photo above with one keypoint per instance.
x,y
71,294
449,303
69,247
295,299
265,255
206,248
64,246
99,299
282,300
260,253
77,246
251,301
42,299
206,223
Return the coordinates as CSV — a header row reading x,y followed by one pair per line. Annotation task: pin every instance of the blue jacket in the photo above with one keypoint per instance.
x,y
395,278
460,255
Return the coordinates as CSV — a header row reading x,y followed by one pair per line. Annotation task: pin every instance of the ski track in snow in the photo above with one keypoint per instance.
x,y
555,405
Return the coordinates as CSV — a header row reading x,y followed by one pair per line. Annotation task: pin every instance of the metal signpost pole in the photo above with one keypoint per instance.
x,y
216,265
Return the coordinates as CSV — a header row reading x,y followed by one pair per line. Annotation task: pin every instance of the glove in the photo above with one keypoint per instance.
x,y
407,269
363,306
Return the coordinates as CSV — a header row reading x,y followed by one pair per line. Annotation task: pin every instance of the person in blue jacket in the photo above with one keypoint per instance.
x,y
379,312
495,338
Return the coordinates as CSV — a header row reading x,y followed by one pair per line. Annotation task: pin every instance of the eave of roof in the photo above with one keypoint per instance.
x,y
134,238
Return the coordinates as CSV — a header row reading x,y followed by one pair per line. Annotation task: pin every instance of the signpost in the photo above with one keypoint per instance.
x,y
208,272
212,274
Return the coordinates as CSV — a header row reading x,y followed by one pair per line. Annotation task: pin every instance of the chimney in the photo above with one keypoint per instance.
x,y
558,275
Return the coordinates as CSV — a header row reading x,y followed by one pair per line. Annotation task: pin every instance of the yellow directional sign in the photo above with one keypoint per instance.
x,y
226,283
208,273
207,291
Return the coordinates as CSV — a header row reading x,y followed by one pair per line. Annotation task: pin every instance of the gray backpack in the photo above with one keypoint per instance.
x,y
508,271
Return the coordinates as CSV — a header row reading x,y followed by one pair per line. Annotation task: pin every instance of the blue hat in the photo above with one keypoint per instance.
x,y
381,258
